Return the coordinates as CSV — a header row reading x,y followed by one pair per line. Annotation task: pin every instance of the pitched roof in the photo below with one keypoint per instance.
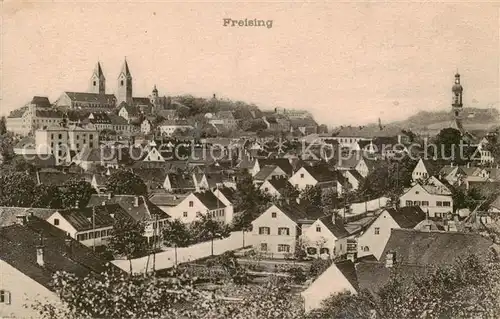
x,y
143,211
131,110
97,155
40,101
125,70
299,213
426,248
337,230
181,181
84,219
106,99
283,163
348,269
49,113
321,173
209,200
356,175
56,178
407,217
8,215
117,120
265,172
153,177
18,113
164,199
18,245
280,183
141,101
229,193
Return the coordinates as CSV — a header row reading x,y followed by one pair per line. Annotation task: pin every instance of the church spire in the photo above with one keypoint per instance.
x,y
124,91
125,70
97,81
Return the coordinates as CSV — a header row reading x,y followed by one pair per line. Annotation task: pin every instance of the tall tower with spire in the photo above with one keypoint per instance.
x,y
97,81
124,90
457,91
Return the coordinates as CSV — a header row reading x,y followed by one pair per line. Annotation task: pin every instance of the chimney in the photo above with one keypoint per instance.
x,y
136,201
21,219
68,245
351,257
390,259
40,252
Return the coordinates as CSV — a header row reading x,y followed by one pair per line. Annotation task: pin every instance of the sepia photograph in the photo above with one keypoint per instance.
x,y
249,159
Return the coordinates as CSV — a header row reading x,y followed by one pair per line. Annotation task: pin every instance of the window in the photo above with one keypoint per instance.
x,y
416,203
52,136
56,221
283,248
366,248
446,204
266,189
60,136
91,235
121,82
409,203
318,229
301,175
377,230
264,231
284,231
273,215
425,203
198,214
79,237
94,83
185,214
191,204
263,246
439,204
5,297
437,215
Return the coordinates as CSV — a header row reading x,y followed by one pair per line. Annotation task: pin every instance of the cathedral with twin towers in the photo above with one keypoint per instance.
x,y
96,99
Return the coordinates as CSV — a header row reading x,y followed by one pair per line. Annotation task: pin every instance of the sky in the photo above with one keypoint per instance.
x,y
347,63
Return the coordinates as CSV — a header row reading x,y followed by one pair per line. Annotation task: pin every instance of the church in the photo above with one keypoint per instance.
x,y
96,99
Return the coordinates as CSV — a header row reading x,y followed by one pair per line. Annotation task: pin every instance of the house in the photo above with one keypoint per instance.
x,y
168,127
10,215
224,119
354,178
432,197
450,173
128,112
146,126
422,170
354,161
91,226
180,183
321,237
276,187
338,278
166,202
227,196
310,176
197,204
208,181
88,101
276,230
154,178
481,155
138,208
372,240
26,272
120,125
89,158
269,172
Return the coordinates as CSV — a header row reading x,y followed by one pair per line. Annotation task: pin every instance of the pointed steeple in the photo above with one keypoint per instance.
x,y
97,81
98,70
125,70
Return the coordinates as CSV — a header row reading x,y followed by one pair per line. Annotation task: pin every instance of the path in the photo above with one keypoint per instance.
x,y
166,259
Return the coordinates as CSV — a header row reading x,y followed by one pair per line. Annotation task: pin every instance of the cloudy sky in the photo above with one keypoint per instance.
x,y
345,62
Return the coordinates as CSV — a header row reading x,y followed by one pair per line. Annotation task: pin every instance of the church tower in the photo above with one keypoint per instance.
x,y
124,90
97,81
457,91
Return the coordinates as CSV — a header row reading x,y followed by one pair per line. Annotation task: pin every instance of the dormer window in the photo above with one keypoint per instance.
x,y
121,82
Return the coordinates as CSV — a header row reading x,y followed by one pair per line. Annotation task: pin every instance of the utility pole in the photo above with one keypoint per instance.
x,y
155,240
93,228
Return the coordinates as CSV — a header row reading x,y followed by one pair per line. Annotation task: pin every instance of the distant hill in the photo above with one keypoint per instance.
x,y
473,119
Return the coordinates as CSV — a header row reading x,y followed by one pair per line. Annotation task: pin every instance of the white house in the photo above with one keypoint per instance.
x,y
269,172
434,199
227,196
354,178
338,278
146,126
276,187
421,170
197,204
320,238
310,176
354,161
154,156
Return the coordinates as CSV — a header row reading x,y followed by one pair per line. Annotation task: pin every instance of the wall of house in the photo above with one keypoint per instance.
x,y
269,189
420,195
318,239
154,156
362,168
419,172
63,224
376,241
178,211
301,179
101,237
273,239
23,291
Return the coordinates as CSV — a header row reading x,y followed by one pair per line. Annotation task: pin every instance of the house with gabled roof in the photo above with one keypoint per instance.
x,y
27,271
276,187
196,204
128,112
354,178
89,158
422,170
321,176
154,178
434,199
321,237
340,277
139,208
354,161
276,230
269,172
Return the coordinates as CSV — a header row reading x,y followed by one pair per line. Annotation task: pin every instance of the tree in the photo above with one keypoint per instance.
x,y
207,228
127,239
311,195
345,305
3,125
75,192
122,182
46,196
7,142
176,234
16,189
249,201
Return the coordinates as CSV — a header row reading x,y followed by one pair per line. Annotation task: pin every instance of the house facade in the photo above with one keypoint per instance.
x,y
435,200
